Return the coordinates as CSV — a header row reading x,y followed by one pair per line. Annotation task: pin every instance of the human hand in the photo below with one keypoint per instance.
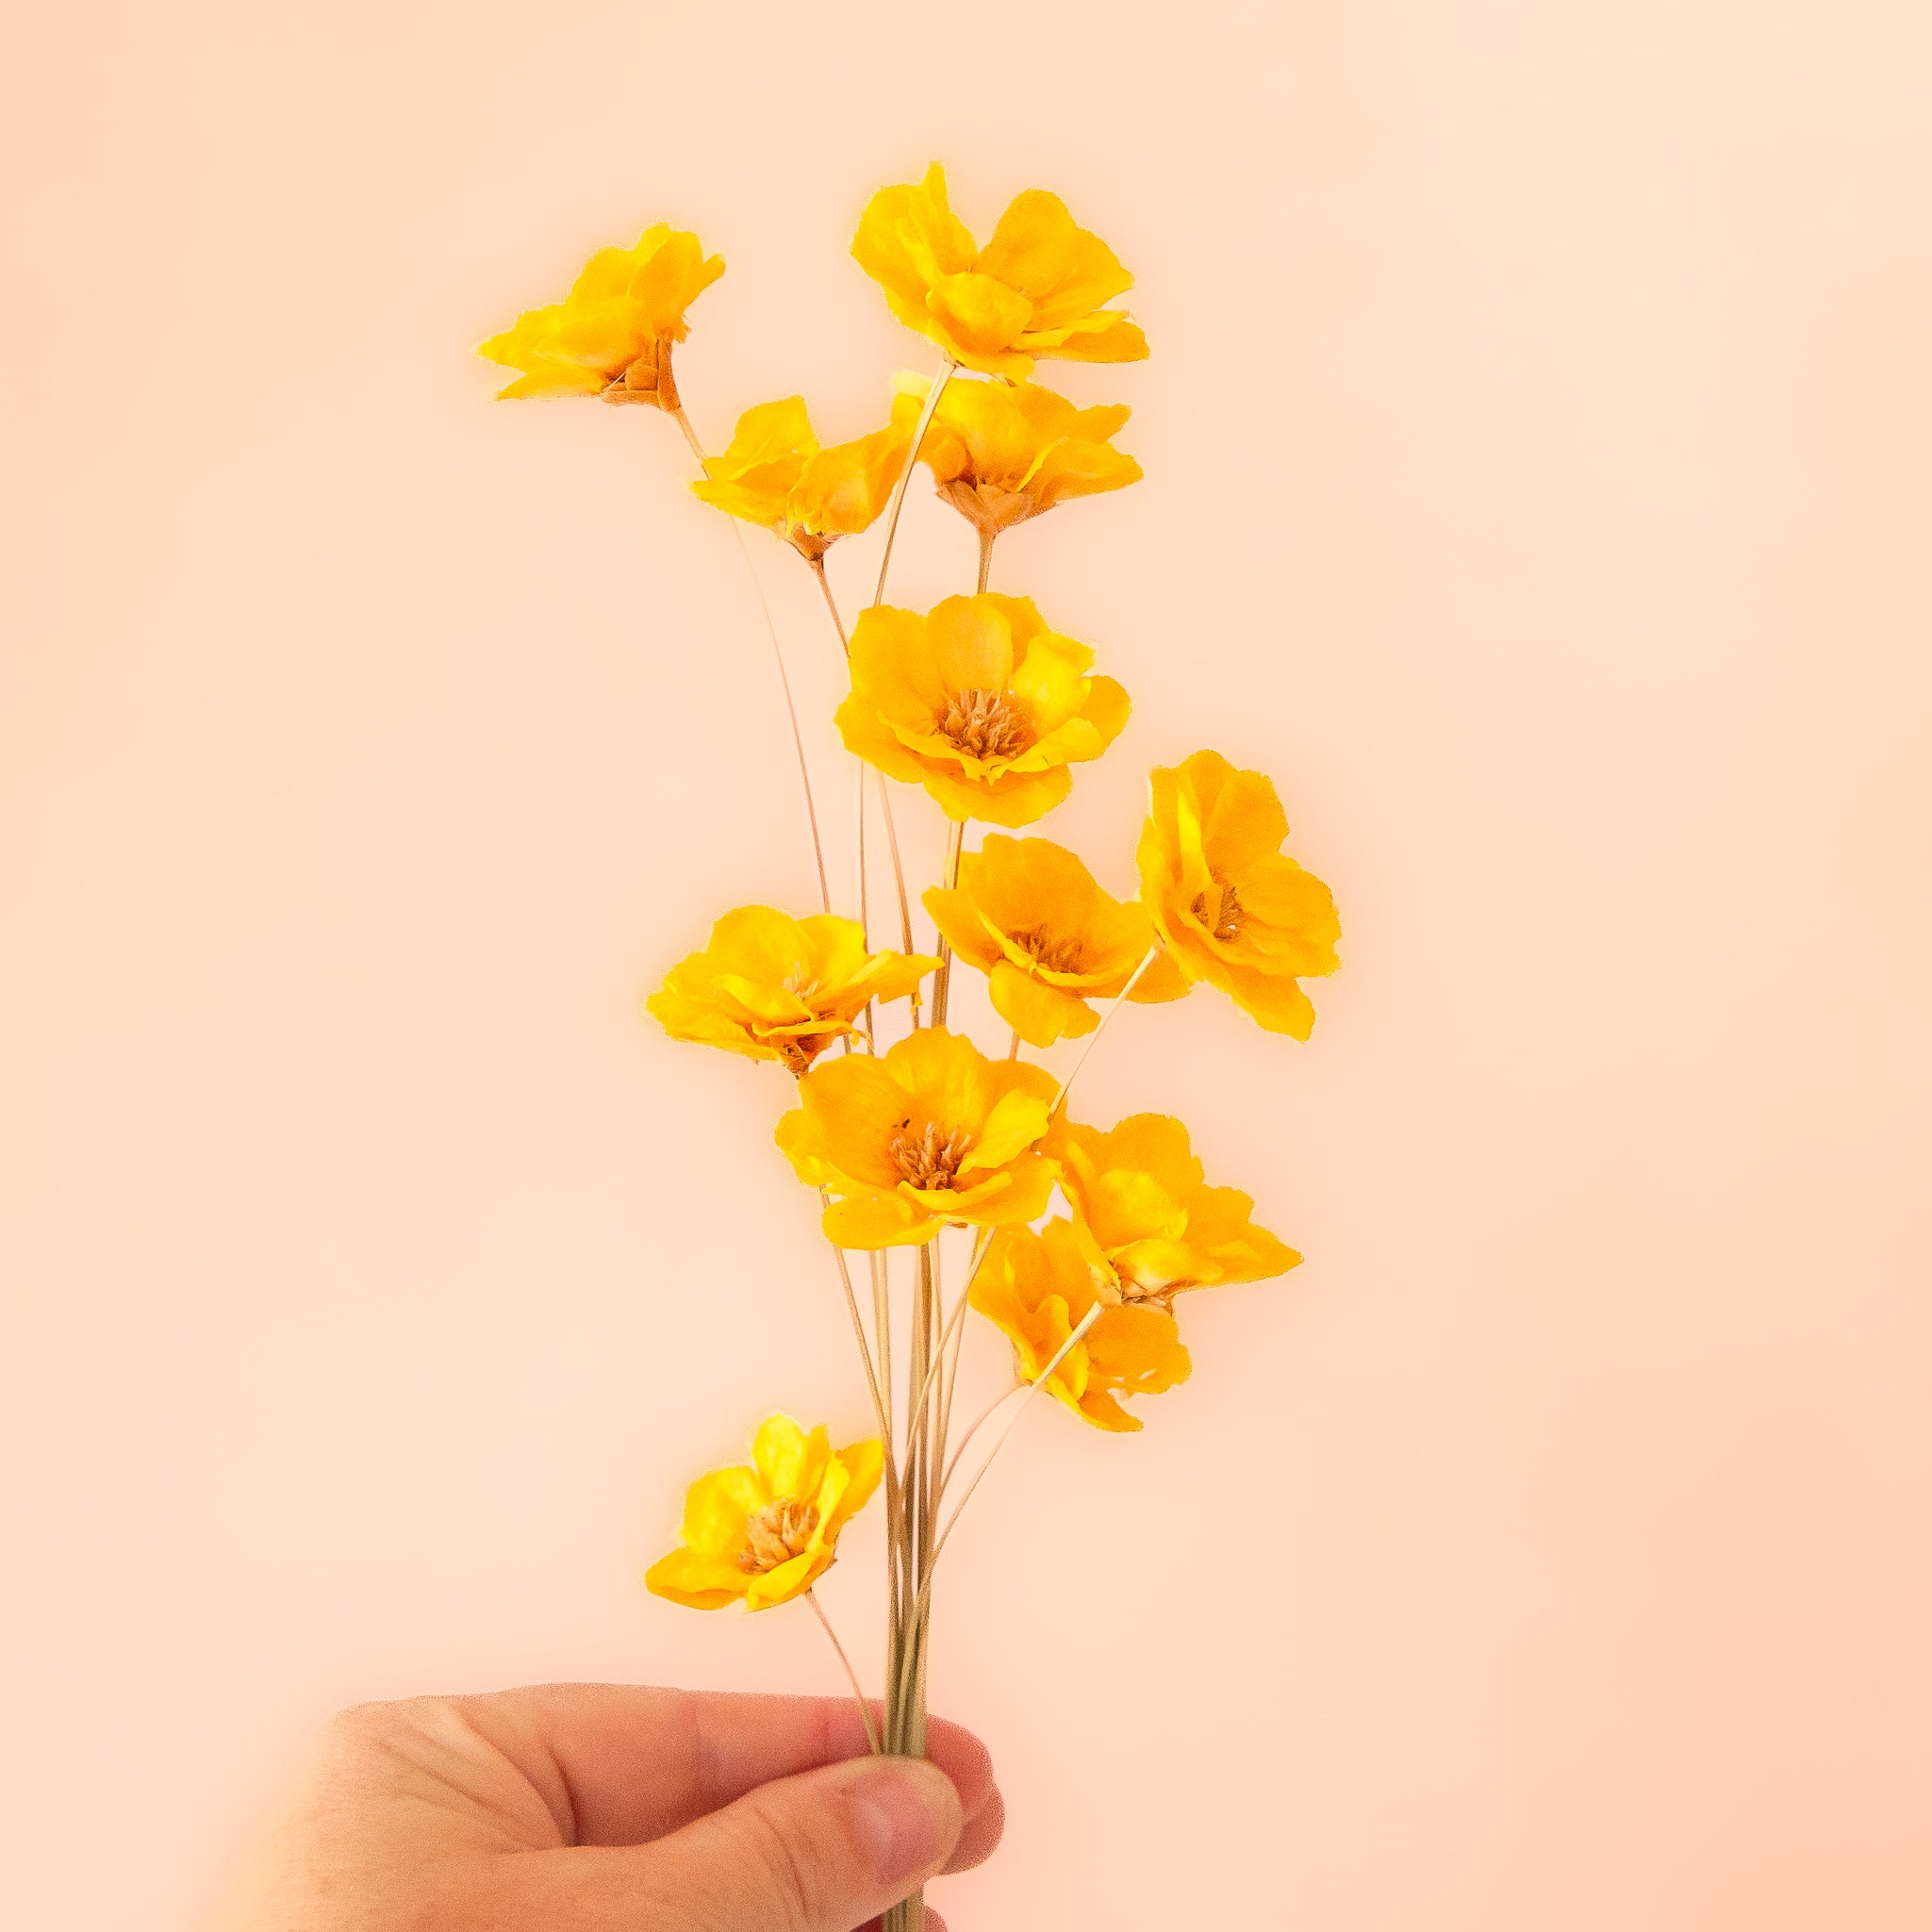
x,y
593,1808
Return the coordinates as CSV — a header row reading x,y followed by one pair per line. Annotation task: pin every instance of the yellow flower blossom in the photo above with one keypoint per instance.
x,y
1037,1288
1000,452
766,1533
979,701
1233,908
1148,1223
775,473
929,1135
1034,921
774,987
1035,289
612,334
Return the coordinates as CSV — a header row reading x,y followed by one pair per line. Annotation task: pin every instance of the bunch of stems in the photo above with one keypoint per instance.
x,y
922,1462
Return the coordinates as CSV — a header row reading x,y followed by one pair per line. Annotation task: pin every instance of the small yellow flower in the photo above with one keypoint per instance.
x,y
1036,288
774,987
1148,1223
1034,921
1037,1288
1000,452
929,1135
776,475
979,701
765,1534
612,334
1233,908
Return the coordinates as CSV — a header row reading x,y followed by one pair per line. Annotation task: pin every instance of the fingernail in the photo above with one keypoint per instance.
x,y
905,1812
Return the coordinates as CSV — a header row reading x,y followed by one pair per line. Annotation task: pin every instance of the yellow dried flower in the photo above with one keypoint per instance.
x,y
1146,1219
763,1535
980,703
774,987
1037,1288
612,334
1034,921
1002,453
929,1136
1233,908
1035,289
775,473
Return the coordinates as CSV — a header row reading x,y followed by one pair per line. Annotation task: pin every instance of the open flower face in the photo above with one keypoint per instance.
x,y
929,1134
1034,921
980,703
1233,908
778,988
1036,1289
1146,1220
1035,289
775,473
763,1535
611,335
1000,452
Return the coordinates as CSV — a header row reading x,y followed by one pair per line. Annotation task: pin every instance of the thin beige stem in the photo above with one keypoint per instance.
x,y
947,365
987,538
879,1412
791,709
1094,1037
905,910
942,980
1013,1046
925,1389
852,1676
973,1427
1059,1355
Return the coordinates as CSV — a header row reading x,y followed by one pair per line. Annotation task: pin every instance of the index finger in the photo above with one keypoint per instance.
x,y
621,1764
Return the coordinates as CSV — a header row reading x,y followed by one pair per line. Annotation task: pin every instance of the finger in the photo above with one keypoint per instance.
x,y
621,1764
820,1852
980,1838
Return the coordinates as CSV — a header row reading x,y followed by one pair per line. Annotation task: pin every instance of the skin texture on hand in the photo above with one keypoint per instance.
x,y
591,1808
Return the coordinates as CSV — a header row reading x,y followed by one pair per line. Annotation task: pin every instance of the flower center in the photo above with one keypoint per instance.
x,y
985,724
930,1158
775,1535
1221,911
1056,955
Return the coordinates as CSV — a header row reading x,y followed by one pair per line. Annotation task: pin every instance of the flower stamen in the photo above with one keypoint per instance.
x,y
776,1534
929,1159
1058,955
1224,918
985,724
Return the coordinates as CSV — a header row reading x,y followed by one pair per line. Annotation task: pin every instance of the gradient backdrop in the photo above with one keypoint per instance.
x,y
1536,440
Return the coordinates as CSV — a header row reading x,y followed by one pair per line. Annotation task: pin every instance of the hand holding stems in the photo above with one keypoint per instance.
x,y
609,1808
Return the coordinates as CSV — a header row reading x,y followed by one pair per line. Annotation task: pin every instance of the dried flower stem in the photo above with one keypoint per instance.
x,y
850,1674
947,365
1094,1037
942,980
987,538
905,911
791,709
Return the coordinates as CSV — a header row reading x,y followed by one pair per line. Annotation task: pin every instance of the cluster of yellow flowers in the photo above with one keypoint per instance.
x,y
982,704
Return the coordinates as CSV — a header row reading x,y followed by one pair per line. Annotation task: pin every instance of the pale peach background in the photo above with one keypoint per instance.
x,y
1537,445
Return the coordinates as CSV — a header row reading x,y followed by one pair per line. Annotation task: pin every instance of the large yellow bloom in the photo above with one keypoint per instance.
x,y
1037,1288
1000,452
1234,909
930,1135
1036,288
776,473
612,334
1034,921
1148,1223
979,701
763,1535
774,987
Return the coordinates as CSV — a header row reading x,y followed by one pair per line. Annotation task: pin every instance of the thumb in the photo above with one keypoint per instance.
x,y
821,1852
